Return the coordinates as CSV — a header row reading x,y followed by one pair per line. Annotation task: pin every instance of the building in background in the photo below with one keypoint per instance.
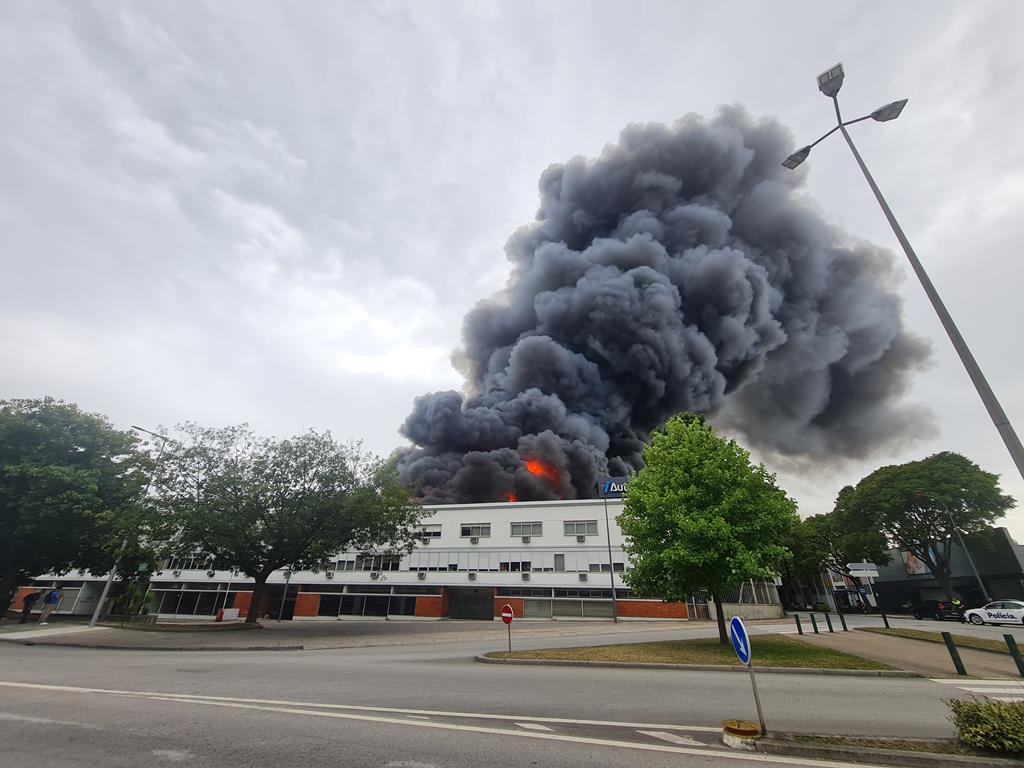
x,y
548,559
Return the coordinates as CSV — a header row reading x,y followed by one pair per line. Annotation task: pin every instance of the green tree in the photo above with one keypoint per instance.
x,y
831,541
69,488
699,517
921,505
259,504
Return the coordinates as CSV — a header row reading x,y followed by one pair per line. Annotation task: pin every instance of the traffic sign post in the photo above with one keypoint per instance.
x,y
741,644
507,614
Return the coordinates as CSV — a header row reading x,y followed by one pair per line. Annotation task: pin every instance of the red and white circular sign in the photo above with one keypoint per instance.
x,y
506,613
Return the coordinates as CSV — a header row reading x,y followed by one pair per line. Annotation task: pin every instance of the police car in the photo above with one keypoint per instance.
x,y
999,612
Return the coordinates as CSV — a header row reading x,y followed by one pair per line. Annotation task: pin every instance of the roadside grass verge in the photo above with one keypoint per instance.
x,y
768,651
962,641
936,746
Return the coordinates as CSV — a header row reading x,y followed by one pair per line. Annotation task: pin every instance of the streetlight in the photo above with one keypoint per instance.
x,y
963,546
829,83
124,544
284,595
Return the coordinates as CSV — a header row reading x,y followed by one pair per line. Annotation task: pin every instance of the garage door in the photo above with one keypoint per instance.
x,y
471,603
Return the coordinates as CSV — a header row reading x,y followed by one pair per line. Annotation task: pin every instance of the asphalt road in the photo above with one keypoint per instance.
x,y
419,704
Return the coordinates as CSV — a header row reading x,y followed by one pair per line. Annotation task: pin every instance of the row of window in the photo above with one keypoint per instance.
x,y
483,530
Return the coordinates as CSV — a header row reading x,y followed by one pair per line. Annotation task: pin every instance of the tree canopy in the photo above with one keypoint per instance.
x,y
921,505
69,488
700,517
258,504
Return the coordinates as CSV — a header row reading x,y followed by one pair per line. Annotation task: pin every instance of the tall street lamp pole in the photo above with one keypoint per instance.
x,y
124,544
963,546
829,84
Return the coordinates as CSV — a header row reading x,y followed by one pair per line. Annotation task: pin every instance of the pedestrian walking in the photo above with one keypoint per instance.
x,y
26,605
50,603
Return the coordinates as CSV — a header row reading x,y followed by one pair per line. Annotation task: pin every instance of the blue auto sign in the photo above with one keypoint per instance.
x,y
740,641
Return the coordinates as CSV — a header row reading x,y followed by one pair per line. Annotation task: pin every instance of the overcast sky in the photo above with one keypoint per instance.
x,y
279,212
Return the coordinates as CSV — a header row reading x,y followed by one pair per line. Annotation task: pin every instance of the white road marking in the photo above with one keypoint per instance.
x,y
418,717
1000,690
688,741
534,727
33,634
239,704
347,707
174,755
16,718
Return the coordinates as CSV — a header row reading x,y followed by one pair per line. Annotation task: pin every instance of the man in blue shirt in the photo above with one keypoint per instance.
x,y
50,603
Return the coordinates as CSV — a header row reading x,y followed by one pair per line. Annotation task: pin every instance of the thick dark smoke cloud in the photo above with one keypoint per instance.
x,y
679,271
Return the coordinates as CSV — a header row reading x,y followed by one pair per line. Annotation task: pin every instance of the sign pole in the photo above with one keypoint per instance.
x,y
741,644
757,698
509,625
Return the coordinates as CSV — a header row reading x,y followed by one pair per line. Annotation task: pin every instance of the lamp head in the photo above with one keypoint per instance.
x,y
889,111
796,158
831,80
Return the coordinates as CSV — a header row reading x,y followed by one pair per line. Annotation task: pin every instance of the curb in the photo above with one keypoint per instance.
x,y
872,756
162,647
704,667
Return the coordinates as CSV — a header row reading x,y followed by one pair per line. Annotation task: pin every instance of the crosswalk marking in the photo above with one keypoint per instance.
x,y
534,727
675,739
1000,690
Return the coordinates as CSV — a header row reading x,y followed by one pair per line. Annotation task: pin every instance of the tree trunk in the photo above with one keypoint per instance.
x,y
258,587
8,586
723,636
946,581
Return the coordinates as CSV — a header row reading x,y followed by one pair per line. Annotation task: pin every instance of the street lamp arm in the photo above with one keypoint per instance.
x,y
851,122
822,138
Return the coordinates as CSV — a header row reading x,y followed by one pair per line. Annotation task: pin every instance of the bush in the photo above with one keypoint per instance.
x,y
997,726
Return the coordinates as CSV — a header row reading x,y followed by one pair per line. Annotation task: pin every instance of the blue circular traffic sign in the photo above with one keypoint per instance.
x,y
740,641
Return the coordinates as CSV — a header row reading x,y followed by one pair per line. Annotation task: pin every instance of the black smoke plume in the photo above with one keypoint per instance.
x,y
678,271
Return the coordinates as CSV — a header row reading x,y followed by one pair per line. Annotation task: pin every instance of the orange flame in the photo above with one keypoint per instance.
x,y
541,469
512,497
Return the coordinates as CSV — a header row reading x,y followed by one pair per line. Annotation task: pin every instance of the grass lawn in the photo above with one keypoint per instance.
x,y
769,651
962,641
936,746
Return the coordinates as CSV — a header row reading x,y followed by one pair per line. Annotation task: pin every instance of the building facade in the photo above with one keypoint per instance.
x,y
547,559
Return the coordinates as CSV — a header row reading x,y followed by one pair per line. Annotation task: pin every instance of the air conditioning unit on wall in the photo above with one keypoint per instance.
x,y
177,573
526,576
329,574
472,575
581,539
374,575
424,542
211,574
422,575
583,577
526,539
474,540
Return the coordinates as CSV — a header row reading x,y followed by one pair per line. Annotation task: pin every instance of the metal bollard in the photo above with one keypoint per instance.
x,y
885,619
954,653
828,620
842,620
799,627
1015,652
814,623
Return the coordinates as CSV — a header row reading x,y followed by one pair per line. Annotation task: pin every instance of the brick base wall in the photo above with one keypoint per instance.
x,y
306,605
651,609
241,601
432,607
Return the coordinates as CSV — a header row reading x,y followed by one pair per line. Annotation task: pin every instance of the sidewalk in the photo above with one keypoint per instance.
x,y
928,659
322,635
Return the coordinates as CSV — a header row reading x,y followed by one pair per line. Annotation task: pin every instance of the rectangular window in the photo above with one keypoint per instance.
x,y
560,563
581,527
428,532
527,529
478,530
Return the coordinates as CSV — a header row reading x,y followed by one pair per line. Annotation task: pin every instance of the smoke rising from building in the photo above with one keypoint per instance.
x,y
678,271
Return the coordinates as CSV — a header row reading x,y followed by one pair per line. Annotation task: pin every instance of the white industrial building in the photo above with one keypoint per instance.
x,y
548,559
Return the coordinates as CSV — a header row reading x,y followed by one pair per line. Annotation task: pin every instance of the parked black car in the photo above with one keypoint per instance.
x,y
939,610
